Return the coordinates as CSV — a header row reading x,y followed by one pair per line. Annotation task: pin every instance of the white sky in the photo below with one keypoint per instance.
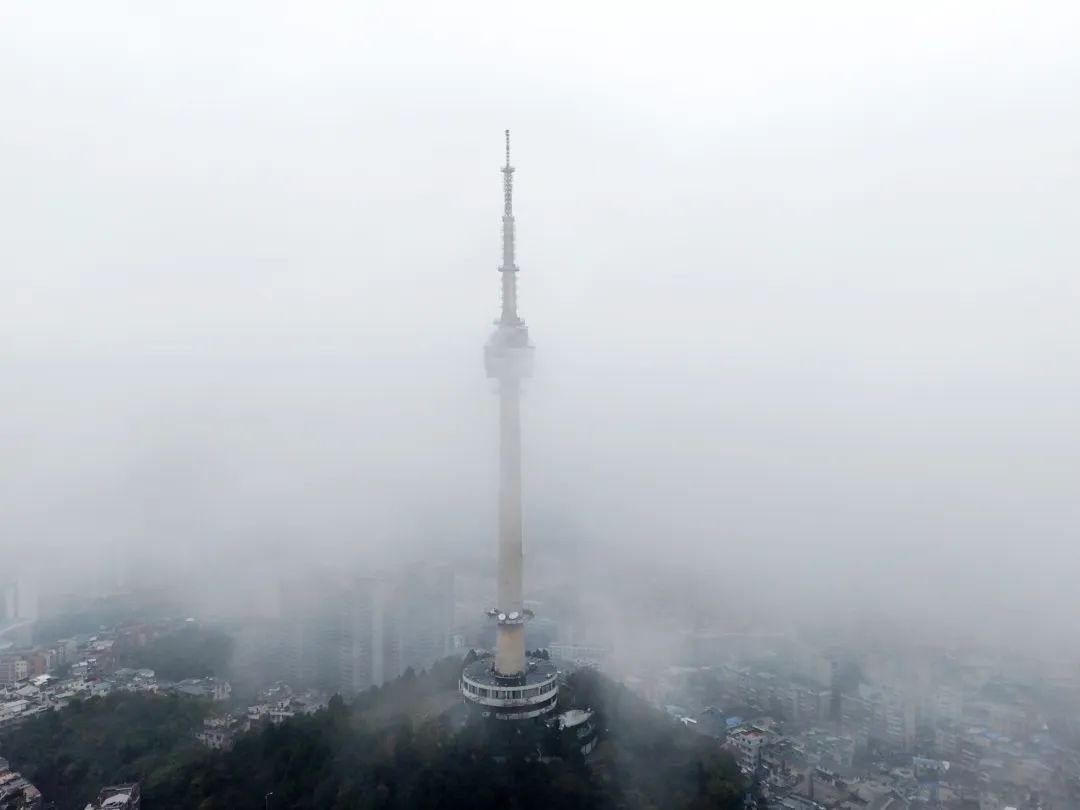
x,y
802,279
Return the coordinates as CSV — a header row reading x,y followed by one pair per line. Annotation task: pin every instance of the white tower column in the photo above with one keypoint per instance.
x,y
510,687
510,651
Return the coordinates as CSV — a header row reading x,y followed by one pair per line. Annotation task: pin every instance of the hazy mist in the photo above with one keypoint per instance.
x,y
802,281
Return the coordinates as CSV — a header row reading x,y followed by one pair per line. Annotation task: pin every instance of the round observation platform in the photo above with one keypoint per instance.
x,y
511,698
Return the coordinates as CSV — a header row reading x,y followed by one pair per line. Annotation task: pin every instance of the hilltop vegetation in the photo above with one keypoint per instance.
x,y
394,747
70,754
646,760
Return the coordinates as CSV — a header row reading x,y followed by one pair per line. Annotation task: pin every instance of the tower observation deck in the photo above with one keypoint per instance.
x,y
509,686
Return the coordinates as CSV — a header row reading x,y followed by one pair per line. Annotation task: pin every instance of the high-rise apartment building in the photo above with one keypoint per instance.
x,y
391,623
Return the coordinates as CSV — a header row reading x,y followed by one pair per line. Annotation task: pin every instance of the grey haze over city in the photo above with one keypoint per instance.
x,y
802,282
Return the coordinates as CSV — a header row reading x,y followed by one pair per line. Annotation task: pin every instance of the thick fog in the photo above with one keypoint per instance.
x,y
802,281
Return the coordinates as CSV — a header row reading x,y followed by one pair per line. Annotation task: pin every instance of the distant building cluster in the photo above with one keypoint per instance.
x,y
17,663
85,656
854,729
274,705
36,679
348,634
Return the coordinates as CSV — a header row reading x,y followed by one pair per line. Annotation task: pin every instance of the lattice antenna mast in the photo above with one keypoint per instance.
x,y
508,268
508,182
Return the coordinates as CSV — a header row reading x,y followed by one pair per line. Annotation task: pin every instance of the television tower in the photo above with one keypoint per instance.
x,y
509,687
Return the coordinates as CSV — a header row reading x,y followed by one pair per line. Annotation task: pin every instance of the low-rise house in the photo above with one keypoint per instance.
x,y
214,688
118,797
16,793
218,733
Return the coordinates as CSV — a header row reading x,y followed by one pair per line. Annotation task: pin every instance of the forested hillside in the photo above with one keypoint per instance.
x,y
394,747
70,754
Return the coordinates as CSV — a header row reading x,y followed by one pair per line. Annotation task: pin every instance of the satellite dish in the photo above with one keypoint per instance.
x,y
514,615
502,617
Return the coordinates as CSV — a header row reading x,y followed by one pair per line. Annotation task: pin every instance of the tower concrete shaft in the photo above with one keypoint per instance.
x,y
510,645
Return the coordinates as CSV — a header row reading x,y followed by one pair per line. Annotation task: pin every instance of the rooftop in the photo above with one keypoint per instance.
x,y
481,672
574,717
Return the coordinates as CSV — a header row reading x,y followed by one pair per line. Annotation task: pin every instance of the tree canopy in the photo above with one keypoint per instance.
x,y
407,744
122,737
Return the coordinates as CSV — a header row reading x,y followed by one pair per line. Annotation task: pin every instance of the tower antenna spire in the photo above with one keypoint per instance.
x,y
508,268
508,193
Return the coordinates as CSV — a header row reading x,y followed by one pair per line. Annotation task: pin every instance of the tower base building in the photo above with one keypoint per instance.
x,y
525,696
